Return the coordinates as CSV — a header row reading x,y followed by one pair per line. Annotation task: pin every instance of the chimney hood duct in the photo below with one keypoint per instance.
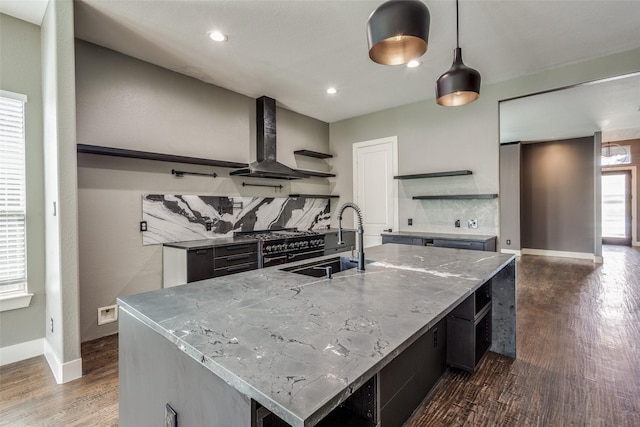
x,y
266,165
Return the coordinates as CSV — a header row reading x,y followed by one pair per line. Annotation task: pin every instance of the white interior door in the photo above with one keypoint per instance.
x,y
375,163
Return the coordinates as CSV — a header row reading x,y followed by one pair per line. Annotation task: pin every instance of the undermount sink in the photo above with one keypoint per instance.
x,y
325,267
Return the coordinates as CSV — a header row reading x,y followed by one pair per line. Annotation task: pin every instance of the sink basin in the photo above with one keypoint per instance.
x,y
319,268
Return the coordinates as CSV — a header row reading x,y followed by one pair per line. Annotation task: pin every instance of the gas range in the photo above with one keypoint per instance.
x,y
285,245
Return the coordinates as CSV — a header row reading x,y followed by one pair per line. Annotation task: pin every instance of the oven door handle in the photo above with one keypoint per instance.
x,y
266,259
292,256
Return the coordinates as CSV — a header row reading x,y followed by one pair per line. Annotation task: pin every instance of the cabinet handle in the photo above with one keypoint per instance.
x,y
201,251
237,257
237,248
236,267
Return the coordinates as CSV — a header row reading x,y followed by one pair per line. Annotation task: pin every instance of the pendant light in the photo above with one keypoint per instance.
x,y
461,84
398,31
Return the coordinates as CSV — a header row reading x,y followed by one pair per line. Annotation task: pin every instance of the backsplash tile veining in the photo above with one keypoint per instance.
x,y
176,218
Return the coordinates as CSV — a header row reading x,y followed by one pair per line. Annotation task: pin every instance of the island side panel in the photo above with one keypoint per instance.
x,y
153,372
503,336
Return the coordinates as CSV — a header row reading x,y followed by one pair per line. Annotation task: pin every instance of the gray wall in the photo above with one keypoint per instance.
x,y
127,103
510,162
557,195
20,72
434,138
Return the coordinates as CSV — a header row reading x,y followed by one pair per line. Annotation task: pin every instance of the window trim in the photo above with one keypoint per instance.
x,y
11,300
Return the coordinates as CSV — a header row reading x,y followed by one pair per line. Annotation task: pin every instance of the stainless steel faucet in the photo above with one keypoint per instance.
x,y
360,232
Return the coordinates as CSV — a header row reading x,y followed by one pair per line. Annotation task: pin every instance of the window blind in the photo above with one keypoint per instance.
x,y
13,272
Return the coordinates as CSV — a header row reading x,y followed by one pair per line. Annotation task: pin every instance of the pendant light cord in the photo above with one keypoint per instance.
x,y
457,27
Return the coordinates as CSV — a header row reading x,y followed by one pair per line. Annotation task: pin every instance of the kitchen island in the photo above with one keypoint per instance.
x,y
229,350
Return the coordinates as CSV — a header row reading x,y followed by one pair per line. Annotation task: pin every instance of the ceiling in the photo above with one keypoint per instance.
x,y
294,50
611,106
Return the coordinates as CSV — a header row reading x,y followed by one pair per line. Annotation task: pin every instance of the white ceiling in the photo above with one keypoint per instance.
x,y
611,106
292,50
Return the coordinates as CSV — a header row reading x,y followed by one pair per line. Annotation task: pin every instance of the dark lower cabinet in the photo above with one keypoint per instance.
x,y
404,240
407,380
331,245
469,329
483,244
199,264
235,259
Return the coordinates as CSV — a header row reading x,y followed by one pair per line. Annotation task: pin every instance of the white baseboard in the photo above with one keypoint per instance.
x,y
561,254
63,372
637,243
22,351
516,252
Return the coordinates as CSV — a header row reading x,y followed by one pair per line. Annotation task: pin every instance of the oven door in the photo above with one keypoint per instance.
x,y
292,257
269,261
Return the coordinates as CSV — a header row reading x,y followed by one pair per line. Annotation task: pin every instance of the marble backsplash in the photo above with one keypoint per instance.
x,y
177,218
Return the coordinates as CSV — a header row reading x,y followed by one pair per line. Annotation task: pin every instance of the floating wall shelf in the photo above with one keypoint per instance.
x,y
434,174
133,154
315,174
456,197
315,154
315,196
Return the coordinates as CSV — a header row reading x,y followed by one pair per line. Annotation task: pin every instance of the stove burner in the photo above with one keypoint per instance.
x,y
284,233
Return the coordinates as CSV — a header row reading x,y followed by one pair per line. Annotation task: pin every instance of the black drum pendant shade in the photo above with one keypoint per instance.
x,y
398,31
460,85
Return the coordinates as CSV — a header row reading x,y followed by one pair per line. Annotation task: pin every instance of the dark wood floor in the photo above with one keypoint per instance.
x,y
578,361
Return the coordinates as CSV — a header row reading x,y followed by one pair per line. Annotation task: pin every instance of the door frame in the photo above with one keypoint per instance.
x,y
394,186
634,197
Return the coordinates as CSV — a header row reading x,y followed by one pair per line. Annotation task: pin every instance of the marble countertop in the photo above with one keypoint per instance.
x,y
226,241
300,345
436,235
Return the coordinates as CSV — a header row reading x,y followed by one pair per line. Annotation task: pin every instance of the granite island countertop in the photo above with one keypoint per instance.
x,y
300,345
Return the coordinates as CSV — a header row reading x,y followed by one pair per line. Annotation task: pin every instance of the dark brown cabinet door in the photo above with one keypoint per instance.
x,y
199,264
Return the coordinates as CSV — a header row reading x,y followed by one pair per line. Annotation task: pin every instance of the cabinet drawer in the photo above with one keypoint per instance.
x,y
416,241
459,244
224,271
235,260
222,251
199,264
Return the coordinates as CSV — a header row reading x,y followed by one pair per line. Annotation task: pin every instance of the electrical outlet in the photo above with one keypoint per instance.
x,y
410,221
52,325
170,416
473,223
508,242
143,225
208,225
107,314
457,223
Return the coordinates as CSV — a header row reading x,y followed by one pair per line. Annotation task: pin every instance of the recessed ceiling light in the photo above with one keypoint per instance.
x,y
413,63
217,36
332,91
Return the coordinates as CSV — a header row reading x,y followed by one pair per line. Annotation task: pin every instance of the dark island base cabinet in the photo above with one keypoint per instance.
x,y
469,330
389,398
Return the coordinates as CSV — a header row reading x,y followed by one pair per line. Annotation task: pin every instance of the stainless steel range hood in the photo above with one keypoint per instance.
x,y
266,165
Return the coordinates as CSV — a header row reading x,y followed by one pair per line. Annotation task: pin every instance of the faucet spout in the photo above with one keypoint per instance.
x,y
360,232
